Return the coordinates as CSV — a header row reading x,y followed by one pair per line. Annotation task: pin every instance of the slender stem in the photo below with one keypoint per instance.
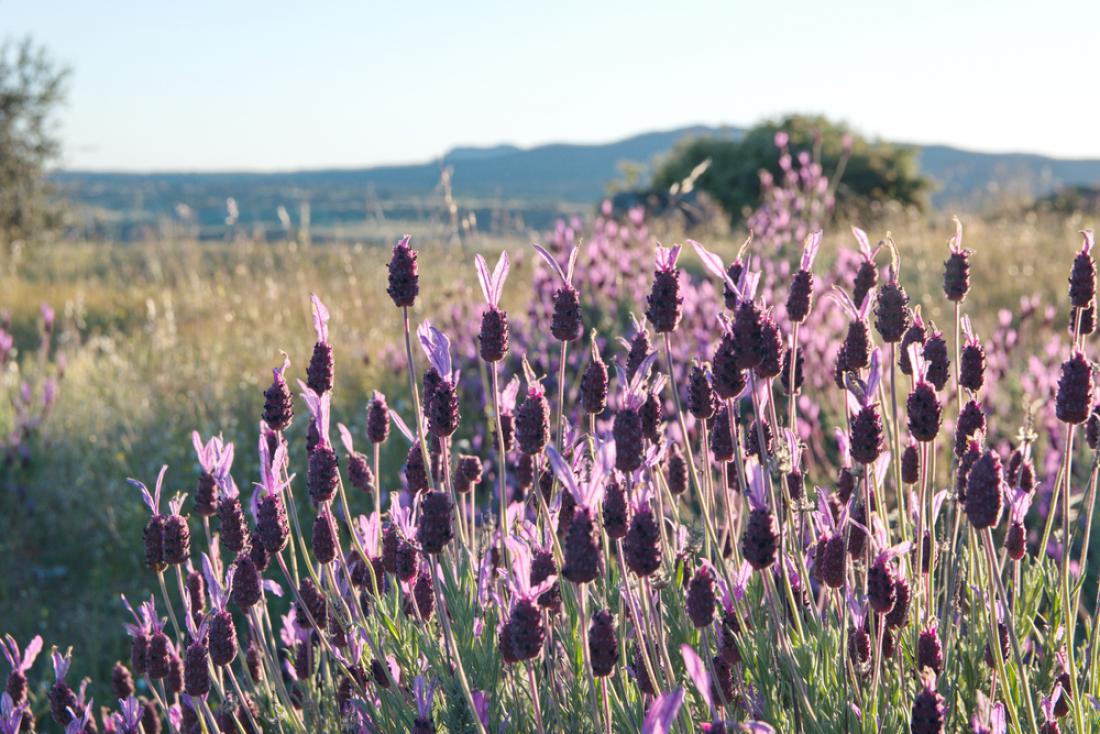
x,y
535,697
502,462
561,395
445,617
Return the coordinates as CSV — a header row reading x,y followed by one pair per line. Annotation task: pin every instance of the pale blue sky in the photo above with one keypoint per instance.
x,y
275,85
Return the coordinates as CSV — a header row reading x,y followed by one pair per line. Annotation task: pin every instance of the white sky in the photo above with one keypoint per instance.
x,y
249,85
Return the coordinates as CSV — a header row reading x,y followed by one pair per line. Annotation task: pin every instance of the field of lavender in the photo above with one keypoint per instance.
x,y
671,543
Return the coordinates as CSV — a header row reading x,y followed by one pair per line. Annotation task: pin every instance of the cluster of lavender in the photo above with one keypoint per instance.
x,y
659,550
30,386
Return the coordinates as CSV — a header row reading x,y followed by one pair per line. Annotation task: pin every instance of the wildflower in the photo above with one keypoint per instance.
x,y
272,528
323,471
1074,397
701,399
971,360
641,546
441,399
935,356
929,712
493,337
63,702
526,632
153,535
507,402
859,641
892,310
984,490
594,384
898,615
771,349
404,282
221,634
311,605
956,269
800,296
882,592
278,403
677,469
638,349
831,559
20,663
603,643
866,438
378,419
728,378
971,422
196,662
761,536
533,420
324,539
1016,537
664,305
922,404
701,600
929,650
866,277
910,463
209,456
565,325
1082,278
915,334
615,513
856,347
651,415
583,556
247,588
435,528
319,373
785,371
419,600
467,473
627,429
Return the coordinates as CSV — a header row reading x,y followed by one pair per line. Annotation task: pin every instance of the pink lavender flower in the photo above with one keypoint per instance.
x,y
566,324
20,662
493,339
664,305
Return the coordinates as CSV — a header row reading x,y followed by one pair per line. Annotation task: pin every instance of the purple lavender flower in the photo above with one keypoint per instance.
x,y
493,339
1082,279
404,280
16,687
278,402
956,269
323,474
583,556
760,539
566,324
664,305
319,373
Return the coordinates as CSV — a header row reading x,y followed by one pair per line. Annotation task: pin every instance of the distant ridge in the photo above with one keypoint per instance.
x,y
537,182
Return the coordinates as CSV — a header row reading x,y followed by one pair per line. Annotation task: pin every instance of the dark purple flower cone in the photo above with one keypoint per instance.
x,y
323,473
939,364
627,430
956,276
971,422
840,368
859,646
729,377
760,539
378,419
278,405
972,367
795,485
467,473
422,596
525,476
360,474
929,650
504,645
866,435
565,323
493,338
857,537
729,296
542,567
443,414
702,402
582,555
640,347
594,387
1082,281
924,412
721,440
526,630
247,584
177,540
701,600
800,296
845,484
1016,541
898,616
254,661
1002,639
272,526
752,438
603,643
728,648
319,373
1074,397
508,431
223,638
312,605
324,540
566,513
721,684
915,334
616,520
429,384
641,674
664,303
436,526
196,670
1092,430
1061,706
652,415
785,371
153,540
234,528
929,713
533,424
747,337
771,350
1083,318
865,279
404,281
62,703
677,470
206,496
122,684
983,491
910,464
832,562
892,312
642,544
416,474
139,648
881,594
857,346
973,453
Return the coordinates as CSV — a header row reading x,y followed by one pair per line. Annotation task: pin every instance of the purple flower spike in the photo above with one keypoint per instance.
x,y
662,712
492,285
810,249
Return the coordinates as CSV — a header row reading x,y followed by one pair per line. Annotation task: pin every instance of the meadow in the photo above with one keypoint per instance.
x,y
152,341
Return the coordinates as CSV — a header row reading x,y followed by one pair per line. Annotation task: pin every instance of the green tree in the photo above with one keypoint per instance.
x,y
874,172
32,86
